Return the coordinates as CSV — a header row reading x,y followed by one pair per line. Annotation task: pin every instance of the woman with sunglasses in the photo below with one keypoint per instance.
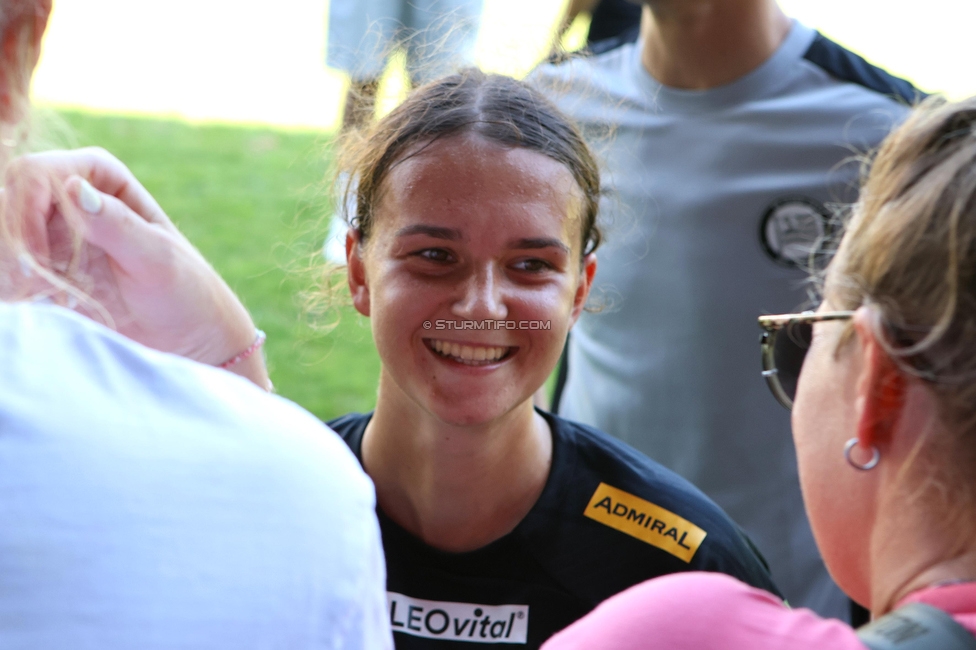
x,y
884,419
472,252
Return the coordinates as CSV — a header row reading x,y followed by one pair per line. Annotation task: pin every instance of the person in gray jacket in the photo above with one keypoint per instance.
x,y
729,134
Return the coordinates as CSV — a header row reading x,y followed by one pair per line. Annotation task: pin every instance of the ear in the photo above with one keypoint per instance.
x,y
584,286
356,271
20,47
881,385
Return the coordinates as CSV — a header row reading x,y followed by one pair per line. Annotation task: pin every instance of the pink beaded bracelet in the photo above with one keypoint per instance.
x,y
259,339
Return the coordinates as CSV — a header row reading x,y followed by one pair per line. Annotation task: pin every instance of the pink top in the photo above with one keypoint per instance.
x,y
700,611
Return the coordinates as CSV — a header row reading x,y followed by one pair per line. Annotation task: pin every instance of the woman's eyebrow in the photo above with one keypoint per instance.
x,y
539,242
439,232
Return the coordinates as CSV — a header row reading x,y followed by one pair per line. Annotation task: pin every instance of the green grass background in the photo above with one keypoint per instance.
x,y
254,201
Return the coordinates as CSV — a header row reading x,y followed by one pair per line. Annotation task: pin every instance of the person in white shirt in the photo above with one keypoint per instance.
x,y
148,500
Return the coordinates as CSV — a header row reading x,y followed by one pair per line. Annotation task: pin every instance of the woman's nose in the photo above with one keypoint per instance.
x,y
481,296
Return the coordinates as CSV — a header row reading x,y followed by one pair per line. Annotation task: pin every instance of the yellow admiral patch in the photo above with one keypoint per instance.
x,y
647,522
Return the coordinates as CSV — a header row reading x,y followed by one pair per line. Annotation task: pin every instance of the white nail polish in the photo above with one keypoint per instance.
x,y
89,199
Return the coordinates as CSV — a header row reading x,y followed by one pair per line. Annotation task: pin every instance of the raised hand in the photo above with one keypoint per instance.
x,y
84,217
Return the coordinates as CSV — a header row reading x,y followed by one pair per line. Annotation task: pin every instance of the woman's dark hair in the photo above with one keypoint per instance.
x,y
499,109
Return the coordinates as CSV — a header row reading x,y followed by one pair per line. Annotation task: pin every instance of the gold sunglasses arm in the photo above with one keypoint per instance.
x,y
779,321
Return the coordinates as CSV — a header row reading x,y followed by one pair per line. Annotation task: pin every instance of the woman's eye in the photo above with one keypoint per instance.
x,y
435,255
533,265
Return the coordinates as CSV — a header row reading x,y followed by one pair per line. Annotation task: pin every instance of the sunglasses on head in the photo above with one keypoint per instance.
x,y
785,341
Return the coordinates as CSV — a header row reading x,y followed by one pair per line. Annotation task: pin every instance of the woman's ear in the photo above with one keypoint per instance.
x,y
584,286
356,271
881,384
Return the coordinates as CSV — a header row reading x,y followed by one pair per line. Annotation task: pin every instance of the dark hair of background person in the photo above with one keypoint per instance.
x,y
497,108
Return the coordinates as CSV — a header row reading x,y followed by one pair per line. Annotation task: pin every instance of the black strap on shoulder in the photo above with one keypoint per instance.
x,y
843,64
916,627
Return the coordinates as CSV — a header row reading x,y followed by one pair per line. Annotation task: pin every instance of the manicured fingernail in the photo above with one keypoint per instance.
x,y
89,199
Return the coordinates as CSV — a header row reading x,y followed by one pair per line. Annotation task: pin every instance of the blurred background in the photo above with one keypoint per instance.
x,y
227,113
243,61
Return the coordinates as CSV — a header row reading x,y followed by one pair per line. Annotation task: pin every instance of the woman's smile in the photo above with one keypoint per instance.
x,y
471,354
471,276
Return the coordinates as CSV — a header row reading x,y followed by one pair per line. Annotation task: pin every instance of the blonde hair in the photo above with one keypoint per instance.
x,y
22,276
910,251
22,23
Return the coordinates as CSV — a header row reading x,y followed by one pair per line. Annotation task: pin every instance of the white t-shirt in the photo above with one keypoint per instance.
x,y
150,502
711,195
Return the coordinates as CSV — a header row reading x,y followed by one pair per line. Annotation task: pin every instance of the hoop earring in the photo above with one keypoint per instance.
x,y
871,464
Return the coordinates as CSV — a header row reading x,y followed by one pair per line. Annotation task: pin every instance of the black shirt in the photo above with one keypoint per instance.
x,y
608,518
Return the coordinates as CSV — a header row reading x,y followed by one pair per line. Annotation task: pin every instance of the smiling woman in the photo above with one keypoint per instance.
x,y
471,249
525,264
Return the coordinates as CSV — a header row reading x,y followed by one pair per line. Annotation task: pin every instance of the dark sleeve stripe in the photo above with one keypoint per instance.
x,y
843,64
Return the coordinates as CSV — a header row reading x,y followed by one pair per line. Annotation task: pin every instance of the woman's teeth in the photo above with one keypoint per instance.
x,y
467,353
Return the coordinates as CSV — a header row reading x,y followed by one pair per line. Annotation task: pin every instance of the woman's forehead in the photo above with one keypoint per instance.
x,y
468,170
470,154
